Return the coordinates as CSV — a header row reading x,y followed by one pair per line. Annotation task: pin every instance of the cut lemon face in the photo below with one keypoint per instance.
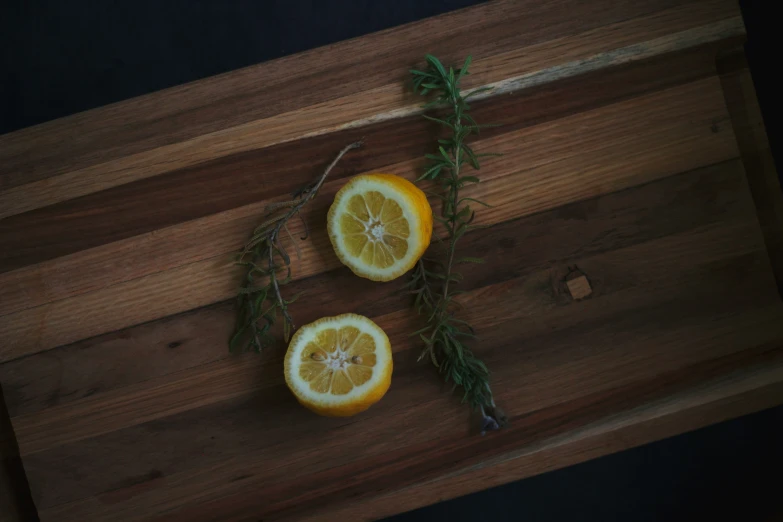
x,y
380,225
339,366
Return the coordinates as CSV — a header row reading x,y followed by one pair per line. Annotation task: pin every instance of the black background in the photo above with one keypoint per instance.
x,y
62,57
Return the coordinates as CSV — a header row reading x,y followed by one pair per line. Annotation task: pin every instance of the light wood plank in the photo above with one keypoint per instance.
x,y
719,400
214,481
234,377
661,32
687,202
208,237
669,143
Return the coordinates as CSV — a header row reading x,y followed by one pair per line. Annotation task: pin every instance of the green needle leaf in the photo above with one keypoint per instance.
x,y
475,260
264,257
433,282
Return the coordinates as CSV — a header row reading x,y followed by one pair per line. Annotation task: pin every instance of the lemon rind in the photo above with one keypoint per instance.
x,y
360,397
364,184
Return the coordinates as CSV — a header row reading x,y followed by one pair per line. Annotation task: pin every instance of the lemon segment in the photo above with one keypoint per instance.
x,y
339,366
380,225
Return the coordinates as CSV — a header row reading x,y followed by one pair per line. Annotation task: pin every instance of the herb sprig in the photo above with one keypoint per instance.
x,y
260,299
433,280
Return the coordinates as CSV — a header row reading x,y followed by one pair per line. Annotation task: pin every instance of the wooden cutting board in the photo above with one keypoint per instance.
x,y
631,290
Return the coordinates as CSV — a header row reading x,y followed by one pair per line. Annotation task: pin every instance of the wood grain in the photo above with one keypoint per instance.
x,y
717,401
216,234
230,380
677,203
629,157
216,129
682,127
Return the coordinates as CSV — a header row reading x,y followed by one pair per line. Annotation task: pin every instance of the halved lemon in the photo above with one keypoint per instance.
x,y
380,225
339,366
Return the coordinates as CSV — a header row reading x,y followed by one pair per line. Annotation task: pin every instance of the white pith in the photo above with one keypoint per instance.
x,y
309,333
375,229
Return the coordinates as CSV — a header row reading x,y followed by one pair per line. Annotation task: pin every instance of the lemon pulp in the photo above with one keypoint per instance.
x,y
339,366
380,225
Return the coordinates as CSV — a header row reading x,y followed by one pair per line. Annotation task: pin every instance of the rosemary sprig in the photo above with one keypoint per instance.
x,y
433,280
259,300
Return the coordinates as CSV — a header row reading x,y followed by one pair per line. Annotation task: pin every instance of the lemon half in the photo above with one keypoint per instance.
x,y
339,366
380,225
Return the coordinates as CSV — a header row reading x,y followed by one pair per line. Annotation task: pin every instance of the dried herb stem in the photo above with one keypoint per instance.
x,y
260,298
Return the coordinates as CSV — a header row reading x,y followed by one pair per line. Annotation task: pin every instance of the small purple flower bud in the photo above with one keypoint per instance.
x,y
488,424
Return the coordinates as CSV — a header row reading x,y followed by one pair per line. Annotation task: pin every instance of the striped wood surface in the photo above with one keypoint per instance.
x,y
627,153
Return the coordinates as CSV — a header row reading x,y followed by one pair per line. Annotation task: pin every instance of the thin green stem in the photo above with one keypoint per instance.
x,y
275,285
453,196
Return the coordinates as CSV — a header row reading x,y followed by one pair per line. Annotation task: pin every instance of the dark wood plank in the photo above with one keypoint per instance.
x,y
545,324
410,466
143,206
185,112
662,133
398,453
632,283
160,348
720,400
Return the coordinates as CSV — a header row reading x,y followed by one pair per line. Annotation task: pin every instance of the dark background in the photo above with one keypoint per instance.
x,y
62,57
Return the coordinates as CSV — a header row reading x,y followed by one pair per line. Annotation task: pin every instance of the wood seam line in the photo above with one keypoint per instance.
x,y
145,241
146,164
743,380
212,259
191,374
701,395
203,262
